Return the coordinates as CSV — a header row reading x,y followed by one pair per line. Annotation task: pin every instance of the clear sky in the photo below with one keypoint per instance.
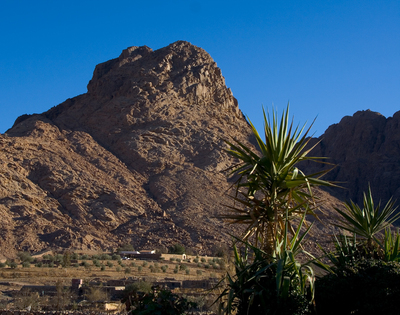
x,y
327,58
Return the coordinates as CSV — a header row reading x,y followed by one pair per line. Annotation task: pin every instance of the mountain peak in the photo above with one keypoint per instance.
x,y
138,158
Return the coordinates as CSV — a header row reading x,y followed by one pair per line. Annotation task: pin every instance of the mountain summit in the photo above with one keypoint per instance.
x,y
137,159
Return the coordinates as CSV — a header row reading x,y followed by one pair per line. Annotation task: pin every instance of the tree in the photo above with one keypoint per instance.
x,y
25,257
176,249
62,298
269,184
66,260
125,247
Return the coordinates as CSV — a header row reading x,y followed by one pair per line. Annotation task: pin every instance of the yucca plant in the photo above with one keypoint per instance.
x,y
391,245
346,252
366,222
264,284
269,183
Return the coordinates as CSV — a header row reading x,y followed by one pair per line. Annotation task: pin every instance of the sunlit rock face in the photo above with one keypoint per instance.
x,y
137,159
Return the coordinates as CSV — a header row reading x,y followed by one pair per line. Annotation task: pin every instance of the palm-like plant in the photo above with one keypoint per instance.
x,y
391,245
277,285
271,183
369,220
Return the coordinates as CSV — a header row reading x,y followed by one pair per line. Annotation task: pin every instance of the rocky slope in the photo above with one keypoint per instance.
x,y
137,159
366,149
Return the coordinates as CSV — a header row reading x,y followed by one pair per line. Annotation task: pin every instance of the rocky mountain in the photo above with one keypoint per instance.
x,y
137,159
366,150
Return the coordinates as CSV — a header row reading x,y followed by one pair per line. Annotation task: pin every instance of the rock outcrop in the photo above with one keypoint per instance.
x,y
366,150
137,159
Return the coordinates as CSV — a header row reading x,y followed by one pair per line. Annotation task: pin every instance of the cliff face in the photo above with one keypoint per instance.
x,y
137,159
366,150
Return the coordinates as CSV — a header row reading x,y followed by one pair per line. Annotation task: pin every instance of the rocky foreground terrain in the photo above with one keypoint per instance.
x,y
137,159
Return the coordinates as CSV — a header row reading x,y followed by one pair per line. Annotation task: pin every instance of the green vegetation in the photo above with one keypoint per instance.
x,y
366,222
157,301
125,247
270,189
273,197
25,257
176,249
363,286
271,272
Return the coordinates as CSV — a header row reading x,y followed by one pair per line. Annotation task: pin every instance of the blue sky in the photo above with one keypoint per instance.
x,y
327,58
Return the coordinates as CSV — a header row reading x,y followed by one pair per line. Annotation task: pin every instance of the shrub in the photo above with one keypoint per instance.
x,y
138,286
124,248
203,260
13,265
84,257
85,264
116,257
2,265
96,263
102,267
58,257
220,251
66,260
128,270
172,259
25,257
199,272
140,268
26,264
196,260
176,249
160,301
110,264
366,286
96,294
105,257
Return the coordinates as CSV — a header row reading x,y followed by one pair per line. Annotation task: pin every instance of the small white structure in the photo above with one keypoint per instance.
x,y
126,254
